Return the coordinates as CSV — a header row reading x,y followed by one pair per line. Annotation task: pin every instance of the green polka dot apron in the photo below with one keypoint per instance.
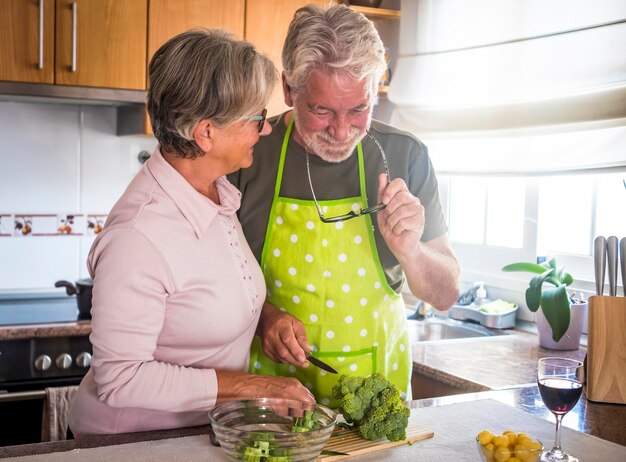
x,y
329,276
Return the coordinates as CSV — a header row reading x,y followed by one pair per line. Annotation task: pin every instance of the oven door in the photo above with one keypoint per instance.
x,y
27,368
22,409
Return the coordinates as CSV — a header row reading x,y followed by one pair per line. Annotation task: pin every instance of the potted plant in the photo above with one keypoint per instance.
x,y
555,302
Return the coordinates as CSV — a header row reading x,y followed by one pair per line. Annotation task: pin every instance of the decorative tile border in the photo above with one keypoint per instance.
x,y
62,224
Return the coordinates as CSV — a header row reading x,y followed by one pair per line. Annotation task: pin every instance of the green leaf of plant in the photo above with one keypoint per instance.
x,y
556,308
533,297
524,266
552,263
555,281
567,279
538,280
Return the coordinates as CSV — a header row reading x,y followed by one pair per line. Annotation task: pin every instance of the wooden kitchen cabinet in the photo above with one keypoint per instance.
x,y
110,43
27,41
88,43
427,387
166,18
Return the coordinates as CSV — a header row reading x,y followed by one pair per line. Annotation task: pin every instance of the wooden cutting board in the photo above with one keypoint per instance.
x,y
350,442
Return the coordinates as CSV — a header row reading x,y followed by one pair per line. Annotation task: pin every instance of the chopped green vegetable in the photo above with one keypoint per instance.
x,y
374,405
260,446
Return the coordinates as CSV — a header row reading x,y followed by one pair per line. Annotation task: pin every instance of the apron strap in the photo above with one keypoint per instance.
x,y
281,162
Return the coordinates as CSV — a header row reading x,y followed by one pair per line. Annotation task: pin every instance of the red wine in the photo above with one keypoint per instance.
x,y
560,395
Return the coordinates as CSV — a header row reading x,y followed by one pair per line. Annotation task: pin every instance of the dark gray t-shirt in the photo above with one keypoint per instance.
x,y
407,157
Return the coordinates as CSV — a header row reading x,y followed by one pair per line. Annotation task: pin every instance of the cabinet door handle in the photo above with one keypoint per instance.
x,y
40,57
74,13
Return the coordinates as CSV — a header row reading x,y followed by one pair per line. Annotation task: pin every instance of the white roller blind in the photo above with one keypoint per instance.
x,y
511,86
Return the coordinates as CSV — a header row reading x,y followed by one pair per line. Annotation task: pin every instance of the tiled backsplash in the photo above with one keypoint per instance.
x,y
19,225
61,170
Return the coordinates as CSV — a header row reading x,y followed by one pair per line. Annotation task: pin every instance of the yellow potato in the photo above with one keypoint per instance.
x,y
502,454
508,446
501,441
485,437
524,439
512,439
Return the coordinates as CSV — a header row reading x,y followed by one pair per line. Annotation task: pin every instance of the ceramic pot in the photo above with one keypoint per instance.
x,y
571,339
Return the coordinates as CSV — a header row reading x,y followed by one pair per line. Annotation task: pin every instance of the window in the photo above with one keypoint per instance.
x,y
525,122
568,212
487,211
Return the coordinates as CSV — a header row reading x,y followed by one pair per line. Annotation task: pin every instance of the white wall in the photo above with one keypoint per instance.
x,y
57,160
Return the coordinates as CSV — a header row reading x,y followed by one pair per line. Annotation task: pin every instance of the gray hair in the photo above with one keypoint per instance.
x,y
333,39
204,74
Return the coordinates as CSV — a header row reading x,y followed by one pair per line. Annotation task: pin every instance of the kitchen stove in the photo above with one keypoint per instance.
x,y
31,364
20,311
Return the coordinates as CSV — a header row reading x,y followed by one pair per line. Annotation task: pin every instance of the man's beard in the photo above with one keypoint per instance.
x,y
326,147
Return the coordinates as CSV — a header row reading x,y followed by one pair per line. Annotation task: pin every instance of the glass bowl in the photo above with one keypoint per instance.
x,y
522,452
267,428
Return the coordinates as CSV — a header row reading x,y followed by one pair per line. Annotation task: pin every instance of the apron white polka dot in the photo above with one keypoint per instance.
x,y
332,280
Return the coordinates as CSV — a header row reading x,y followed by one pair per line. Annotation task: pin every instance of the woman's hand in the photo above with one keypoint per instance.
x,y
283,337
238,385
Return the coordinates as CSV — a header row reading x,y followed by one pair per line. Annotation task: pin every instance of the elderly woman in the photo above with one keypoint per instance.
x,y
177,292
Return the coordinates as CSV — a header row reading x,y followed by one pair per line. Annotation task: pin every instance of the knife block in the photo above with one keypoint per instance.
x,y
606,350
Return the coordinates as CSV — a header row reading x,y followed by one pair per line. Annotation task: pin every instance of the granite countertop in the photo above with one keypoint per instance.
x,y
509,364
486,363
26,331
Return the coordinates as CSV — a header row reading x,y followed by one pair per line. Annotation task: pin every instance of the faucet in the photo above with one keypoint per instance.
x,y
422,311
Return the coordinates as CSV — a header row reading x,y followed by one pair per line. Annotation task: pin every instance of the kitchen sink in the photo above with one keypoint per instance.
x,y
435,328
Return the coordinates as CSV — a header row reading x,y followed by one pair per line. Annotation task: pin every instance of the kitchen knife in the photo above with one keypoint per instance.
x,y
321,364
611,252
622,257
599,260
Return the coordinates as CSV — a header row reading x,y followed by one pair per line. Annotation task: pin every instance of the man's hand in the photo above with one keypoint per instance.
x,y
401,223
431,269
283,337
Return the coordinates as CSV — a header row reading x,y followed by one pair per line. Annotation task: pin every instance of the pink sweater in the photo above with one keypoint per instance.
x,y
177,294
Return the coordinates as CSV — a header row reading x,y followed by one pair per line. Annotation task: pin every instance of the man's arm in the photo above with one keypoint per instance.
x,y
432,273
431,269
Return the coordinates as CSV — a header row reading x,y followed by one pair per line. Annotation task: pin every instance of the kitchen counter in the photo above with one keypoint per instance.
x,y
455,421
510,363
25,331
500,369
486,363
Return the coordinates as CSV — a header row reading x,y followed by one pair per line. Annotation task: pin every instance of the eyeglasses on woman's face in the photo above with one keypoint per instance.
x,y
261,119
351,214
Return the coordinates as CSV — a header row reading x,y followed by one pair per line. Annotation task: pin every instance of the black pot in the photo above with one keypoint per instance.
x,y
82,289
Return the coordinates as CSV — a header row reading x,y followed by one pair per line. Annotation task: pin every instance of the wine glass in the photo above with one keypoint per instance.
x,y
560,386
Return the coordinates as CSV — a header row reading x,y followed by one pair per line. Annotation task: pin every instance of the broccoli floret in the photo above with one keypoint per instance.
x,y
374,405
